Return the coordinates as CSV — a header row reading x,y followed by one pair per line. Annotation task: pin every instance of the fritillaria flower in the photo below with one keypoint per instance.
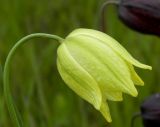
x,y
150,111
98,68
141,15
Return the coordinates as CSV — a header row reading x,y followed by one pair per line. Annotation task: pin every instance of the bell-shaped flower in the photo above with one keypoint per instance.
x,y
141,15
97,68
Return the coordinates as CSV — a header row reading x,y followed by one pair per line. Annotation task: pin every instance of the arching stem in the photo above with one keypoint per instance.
x,y
102,21
7,93
136,115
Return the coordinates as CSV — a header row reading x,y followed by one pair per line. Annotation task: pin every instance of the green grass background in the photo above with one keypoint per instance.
x,y
40,94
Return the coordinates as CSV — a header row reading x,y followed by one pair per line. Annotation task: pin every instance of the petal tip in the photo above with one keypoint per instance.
x,y
146,67
142,83
134,94
109,120
139,82
133,91
149,67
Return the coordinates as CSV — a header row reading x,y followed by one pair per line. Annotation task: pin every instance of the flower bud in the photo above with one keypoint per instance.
x,y
97,68
141,15
150,111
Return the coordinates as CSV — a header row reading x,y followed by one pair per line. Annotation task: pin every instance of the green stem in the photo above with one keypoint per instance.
x,y
102,21
8,97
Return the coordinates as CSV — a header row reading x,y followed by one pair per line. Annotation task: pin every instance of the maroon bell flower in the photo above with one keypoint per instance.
x,y
141,15
150,111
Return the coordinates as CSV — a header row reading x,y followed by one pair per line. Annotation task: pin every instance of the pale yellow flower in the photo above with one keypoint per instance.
x,y
97,68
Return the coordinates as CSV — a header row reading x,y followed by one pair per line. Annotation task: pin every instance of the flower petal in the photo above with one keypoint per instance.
x,y
112,95
100,61
112,43
136,79
78,79
105,111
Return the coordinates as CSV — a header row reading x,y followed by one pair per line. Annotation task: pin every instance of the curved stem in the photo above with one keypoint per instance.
x,y
134,117
102,21
7,94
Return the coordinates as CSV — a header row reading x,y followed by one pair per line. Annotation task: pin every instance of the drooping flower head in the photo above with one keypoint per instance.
x,y
97,68
141,15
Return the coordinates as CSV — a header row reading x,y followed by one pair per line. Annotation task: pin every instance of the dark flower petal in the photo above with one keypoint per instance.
x,y
151,107
141,15
150,111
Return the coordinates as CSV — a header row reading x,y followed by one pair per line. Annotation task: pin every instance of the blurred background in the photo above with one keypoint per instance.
x,y
42,97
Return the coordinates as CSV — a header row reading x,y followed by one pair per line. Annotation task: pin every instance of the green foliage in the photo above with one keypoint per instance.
x,y
40,94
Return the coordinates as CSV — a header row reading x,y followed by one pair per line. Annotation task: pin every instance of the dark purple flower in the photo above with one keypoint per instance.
x,y
141,15
150,111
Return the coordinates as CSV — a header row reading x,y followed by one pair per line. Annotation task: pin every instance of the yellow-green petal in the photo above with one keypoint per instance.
x,y
112,95
136,79
112,43
78,79
105,66
105,111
